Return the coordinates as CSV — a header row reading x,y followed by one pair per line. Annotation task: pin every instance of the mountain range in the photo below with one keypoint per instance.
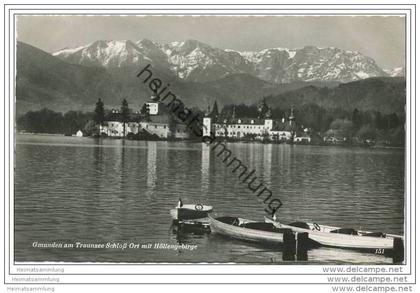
x,y
73,79
199,62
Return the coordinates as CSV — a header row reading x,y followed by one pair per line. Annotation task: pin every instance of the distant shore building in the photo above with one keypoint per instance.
x,y
249,128
334,140
302,139
156,122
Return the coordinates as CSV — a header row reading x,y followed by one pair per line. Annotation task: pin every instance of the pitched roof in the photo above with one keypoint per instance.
x,y
159,119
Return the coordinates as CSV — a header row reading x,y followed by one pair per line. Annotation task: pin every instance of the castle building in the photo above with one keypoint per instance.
x,y
248,128
157,123
156,120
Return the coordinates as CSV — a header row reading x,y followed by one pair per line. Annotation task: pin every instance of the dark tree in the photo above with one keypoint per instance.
x,y
263,109
99,116
74,121
42,121
125,114
380,123
226,111
310,115
241,111
342,128
392,121
356,119
145,112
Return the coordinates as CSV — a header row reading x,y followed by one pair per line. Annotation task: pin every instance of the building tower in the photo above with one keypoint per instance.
x,y
207,126
215,111
153,105
291,117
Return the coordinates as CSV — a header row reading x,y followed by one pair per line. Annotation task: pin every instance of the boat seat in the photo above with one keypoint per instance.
x,y
229,220
347,231
269,227
299,225
374,234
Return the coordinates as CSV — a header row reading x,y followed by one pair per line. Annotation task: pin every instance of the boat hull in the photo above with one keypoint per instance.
x,y
323,237
246,234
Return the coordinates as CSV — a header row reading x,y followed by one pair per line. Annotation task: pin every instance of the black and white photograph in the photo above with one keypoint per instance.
x,y
210,139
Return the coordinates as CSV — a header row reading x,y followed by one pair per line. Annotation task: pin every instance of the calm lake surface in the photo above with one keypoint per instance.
x,y
70,189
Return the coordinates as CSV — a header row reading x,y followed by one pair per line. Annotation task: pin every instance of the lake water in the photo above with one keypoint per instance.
x,y
70,189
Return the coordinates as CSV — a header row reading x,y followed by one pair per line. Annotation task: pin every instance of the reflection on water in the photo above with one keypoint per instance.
x,y
267,152
101,190
205,165
151,168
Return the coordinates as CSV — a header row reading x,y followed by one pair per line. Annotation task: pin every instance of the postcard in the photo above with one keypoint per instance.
x,y
210,140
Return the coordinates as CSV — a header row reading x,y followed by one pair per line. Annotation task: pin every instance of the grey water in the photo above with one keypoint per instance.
x,y
70,189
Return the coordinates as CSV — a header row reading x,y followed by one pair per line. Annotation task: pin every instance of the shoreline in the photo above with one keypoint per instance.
x,y
226,141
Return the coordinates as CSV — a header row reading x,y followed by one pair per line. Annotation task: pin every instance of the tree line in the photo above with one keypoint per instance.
x,y
49,121
320,122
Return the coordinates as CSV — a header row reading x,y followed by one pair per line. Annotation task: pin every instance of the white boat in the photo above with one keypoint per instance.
x,y
190,212
379,243
248,230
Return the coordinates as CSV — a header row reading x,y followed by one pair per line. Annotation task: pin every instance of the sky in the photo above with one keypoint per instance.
x,y
379,37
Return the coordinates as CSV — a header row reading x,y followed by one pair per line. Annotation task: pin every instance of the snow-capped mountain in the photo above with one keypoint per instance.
x,y
195,61
312,64
115,54
394,72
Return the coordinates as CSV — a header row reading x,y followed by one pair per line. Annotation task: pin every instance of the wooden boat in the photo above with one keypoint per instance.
x,y
190,212
376,242
248,230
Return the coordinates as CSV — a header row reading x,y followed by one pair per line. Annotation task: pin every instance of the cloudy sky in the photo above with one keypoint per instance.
x,y
382,38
